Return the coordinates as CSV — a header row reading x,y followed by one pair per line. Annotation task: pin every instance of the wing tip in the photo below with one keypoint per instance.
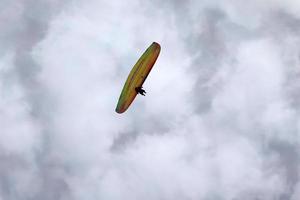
x,y
156,44
119,111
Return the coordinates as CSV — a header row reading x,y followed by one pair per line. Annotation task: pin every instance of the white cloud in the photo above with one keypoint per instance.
x,y
19,133
220,119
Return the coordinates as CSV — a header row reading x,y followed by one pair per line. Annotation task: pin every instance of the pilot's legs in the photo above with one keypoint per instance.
x,y
139,90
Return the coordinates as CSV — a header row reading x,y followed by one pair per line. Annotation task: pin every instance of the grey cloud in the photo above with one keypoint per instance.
x,y
24,25
220,121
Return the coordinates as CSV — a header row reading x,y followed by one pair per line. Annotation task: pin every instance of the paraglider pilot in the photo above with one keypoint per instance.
x,y
140,90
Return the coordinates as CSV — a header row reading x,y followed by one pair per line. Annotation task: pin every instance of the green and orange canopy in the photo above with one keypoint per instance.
x,y
137,77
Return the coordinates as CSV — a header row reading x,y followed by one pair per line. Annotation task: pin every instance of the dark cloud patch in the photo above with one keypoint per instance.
x,y
209,48
53,184
280,24
123,140
11,164
288,162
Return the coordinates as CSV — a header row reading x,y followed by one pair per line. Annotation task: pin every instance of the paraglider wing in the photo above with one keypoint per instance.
x,y
137,77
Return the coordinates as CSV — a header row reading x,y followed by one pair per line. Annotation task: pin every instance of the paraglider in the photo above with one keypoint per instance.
x,y
137,77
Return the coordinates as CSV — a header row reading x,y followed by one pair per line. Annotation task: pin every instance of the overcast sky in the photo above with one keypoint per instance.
x,y
220,121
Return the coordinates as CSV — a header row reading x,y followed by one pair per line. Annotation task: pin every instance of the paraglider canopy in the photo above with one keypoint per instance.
x,y
137,77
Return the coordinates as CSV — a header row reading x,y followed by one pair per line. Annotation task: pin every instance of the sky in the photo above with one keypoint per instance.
x,y
220,121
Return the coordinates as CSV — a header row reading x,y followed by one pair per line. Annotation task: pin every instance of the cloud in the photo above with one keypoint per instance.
x,y
220,119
